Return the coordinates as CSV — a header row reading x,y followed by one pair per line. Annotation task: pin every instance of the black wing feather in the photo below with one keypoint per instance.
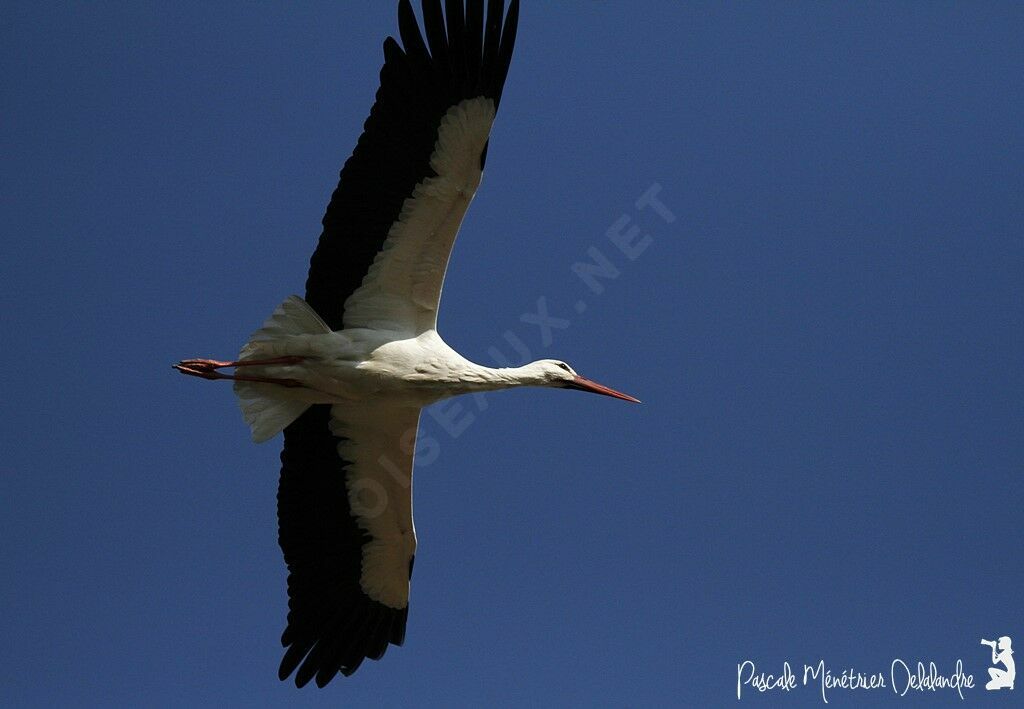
x,y
332,624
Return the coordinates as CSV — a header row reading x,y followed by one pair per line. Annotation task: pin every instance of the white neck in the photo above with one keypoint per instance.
x,y
439,367
474,377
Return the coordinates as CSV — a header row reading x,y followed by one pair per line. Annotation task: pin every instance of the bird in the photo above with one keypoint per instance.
x,y
345,371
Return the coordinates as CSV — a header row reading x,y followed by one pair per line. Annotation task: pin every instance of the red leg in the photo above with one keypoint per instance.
x,y
212,364
208,372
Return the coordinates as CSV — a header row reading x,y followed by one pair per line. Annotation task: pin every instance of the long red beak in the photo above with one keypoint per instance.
x,y
585,384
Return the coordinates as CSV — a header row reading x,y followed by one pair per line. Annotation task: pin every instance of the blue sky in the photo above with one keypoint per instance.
x,y
827,336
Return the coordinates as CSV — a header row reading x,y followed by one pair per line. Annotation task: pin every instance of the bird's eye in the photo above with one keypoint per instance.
x,y
564,366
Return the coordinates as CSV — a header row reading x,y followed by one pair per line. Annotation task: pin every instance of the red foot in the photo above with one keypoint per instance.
x,y
218,364
207,369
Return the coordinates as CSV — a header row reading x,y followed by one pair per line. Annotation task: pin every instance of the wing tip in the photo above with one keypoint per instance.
x,y
342,644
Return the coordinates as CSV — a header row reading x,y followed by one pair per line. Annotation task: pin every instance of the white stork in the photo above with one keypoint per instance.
x,y
345,372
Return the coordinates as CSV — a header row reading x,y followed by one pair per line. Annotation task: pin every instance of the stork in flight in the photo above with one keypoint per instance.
x,y
345,372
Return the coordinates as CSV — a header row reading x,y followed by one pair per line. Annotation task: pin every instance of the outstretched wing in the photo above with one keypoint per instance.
x,y
393,218
380,263
346,529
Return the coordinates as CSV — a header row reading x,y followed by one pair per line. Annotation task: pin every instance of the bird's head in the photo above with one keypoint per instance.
x,y
555,373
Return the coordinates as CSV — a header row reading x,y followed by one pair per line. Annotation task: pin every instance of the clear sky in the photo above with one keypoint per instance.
x,y
822,312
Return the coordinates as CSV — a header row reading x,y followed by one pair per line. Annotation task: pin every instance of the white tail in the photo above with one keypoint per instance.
x,y
292,317
269,408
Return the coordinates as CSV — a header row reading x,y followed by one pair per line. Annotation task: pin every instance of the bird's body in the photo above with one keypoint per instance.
x,y
345,371
362,364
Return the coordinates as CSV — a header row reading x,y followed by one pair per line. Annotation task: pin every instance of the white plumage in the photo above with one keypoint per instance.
x,y
345,372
